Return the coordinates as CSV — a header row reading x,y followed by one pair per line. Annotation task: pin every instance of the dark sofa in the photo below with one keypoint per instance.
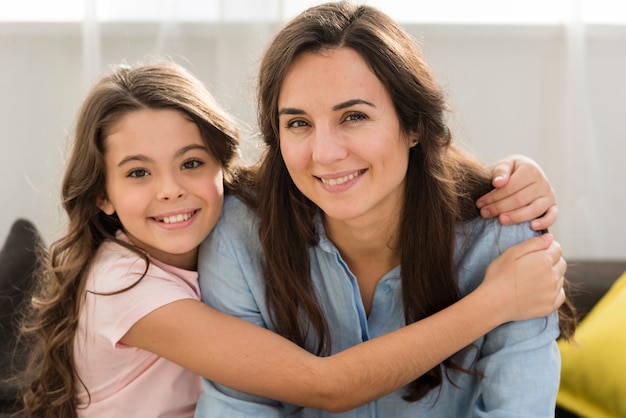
x,y
591,280
18,261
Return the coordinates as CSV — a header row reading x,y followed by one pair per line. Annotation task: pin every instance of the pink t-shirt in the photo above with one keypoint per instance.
x,y
126,381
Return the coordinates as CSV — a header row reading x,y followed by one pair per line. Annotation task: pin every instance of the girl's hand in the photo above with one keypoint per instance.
x,y
527,279
522,193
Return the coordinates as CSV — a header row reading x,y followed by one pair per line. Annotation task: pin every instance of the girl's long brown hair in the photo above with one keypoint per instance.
x,y
51,380
442,183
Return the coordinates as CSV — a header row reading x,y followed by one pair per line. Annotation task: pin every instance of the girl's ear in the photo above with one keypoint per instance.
x,y
106,206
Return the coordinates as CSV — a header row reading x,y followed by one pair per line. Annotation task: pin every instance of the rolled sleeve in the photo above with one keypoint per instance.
x,y
519,367
518,363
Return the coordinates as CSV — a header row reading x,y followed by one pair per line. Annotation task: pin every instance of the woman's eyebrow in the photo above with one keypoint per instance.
x,y
340,106
352,102
290,111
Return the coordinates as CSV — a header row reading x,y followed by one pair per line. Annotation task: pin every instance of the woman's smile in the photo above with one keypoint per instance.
x,y
340,137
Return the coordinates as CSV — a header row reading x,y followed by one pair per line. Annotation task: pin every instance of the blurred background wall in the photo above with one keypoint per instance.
x,y
552,88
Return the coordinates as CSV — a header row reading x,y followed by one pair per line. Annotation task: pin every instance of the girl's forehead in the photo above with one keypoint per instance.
x,y
153,132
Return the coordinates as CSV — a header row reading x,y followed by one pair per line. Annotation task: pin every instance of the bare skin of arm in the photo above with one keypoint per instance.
x,y
522,191
524,282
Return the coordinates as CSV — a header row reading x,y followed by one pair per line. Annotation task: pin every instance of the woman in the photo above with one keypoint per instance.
x,y
362,195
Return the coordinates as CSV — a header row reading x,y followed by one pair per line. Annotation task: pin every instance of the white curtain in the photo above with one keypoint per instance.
x,y
555,92
581,156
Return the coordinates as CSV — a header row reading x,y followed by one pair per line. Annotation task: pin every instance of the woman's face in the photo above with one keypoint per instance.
x,y
340,137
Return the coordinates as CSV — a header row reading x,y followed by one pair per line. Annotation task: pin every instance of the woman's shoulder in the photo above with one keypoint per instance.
x,y
490,232
234,203
480,241
237,214
237,229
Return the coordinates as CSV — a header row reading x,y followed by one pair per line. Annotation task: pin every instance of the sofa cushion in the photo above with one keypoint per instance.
x,y
594,365
18,262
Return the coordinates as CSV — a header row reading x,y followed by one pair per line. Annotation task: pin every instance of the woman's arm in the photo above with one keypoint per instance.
x,y
524,282
522,193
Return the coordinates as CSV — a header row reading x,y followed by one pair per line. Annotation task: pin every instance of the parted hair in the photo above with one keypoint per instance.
x,y
51,379
442,183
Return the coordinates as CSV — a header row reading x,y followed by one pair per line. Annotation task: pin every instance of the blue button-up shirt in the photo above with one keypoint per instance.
x,y
519,361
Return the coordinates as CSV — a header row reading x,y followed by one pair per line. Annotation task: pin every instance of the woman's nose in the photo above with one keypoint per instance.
x,y
328,146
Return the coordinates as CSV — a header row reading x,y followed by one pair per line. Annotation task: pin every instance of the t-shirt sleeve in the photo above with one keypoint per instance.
x,y
118,296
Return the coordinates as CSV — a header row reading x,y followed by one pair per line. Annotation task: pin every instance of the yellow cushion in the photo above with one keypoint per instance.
x,y
593,374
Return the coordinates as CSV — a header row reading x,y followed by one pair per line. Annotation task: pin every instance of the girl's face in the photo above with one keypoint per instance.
x,y
164,184
340,137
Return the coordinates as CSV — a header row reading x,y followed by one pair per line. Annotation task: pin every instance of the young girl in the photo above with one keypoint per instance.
x,y
120,328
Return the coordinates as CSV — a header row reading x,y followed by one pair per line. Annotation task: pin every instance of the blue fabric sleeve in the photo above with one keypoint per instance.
x,y
227,256
519,361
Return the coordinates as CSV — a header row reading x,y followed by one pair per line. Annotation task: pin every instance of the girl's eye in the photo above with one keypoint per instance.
x,y
297,123
356,117
191,164
137,173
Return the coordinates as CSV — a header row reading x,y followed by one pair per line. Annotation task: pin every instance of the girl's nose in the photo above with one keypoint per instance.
x,y
170,189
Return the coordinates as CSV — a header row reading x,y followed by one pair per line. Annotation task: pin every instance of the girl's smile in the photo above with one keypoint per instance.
x,y
163,183
175,221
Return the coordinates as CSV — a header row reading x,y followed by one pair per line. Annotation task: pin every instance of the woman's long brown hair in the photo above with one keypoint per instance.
x,y
442,183
50,382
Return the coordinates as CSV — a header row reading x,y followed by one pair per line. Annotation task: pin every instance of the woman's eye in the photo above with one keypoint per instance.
x,y
356,117
298,123
137,173
191,164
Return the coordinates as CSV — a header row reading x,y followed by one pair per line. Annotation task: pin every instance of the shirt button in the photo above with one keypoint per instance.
x,y
386,288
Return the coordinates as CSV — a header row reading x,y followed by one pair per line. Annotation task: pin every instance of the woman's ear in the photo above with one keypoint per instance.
x,y
106,206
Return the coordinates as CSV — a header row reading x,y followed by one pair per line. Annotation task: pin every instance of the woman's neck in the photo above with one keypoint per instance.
x,y
370,250
357,242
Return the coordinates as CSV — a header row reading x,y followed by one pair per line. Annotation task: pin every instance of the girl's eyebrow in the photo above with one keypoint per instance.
x,y
340,106
144,158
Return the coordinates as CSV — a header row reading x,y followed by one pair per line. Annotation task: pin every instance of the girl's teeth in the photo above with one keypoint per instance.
x,y
176,218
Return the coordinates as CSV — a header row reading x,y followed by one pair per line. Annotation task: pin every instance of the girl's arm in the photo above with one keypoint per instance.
x,y
524,282
521,193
